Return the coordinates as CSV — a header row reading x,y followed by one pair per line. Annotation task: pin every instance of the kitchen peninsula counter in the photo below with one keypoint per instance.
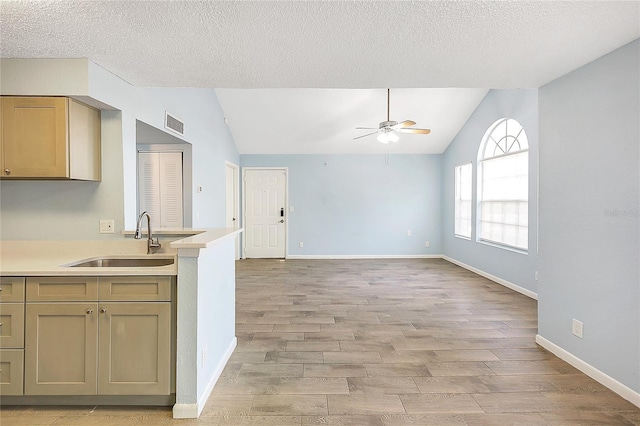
x,y
52,258
204,266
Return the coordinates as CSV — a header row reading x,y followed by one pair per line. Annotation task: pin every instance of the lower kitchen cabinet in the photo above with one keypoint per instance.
x,y
96,347
134,348
11,369
12,325
61,349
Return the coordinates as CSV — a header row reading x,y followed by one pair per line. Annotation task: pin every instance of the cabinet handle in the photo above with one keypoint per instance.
x,y
103,310
89,311
0,324
7,171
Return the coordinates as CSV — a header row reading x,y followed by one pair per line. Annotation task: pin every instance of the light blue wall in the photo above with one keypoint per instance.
x,y
516,268
360,204
49,210
589,213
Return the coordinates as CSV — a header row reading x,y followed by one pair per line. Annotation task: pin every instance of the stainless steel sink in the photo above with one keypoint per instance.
x,y
122,262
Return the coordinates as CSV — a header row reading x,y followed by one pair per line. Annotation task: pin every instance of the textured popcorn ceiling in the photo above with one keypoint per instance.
x,y
310,44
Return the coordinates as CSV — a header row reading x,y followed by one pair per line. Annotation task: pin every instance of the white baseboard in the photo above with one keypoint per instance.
x,y
597,375
193,411
362,256
185,411
500,281
216,375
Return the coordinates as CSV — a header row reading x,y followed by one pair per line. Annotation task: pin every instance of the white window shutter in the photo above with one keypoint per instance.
x,y
160,188
171,189
149,185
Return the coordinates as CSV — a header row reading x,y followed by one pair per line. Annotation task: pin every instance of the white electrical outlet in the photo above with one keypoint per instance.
x,y
536,275
291,209
107,226
427,244
301,244
408,233
576,328
204,356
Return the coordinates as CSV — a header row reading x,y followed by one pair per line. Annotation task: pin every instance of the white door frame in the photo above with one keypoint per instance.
x,y
286,205
236,199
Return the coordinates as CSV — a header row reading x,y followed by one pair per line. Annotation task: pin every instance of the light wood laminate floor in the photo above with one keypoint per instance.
x,y
378,342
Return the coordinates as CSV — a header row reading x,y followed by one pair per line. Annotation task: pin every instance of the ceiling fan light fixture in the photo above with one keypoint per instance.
x,y
382,137
387,135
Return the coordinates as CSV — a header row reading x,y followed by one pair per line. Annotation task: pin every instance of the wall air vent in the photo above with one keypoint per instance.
x,y
173,124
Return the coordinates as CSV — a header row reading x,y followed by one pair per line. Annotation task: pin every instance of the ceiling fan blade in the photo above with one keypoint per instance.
x,y
366,128
368,134
415,131
402,124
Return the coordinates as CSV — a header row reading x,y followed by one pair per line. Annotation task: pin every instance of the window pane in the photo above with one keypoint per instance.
x,y
462,219
503,191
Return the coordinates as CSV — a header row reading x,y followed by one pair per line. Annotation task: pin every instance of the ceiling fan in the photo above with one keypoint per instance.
x,y
386,130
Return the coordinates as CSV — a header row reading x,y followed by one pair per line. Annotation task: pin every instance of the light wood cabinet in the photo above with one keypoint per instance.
x,y
149,288
62,289
11,335
134,348
99,335
61,348
11,289
11,325
11,371
49,138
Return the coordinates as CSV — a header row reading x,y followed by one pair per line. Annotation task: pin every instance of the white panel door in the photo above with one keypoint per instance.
x,y
264,220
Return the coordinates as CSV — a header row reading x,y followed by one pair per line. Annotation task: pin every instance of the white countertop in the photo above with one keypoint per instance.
x,y
51,258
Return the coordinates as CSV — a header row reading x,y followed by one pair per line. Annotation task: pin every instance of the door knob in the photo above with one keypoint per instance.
x,y
281,221
7,171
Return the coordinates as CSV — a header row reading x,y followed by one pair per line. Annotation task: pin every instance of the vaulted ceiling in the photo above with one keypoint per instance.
x,y
282,50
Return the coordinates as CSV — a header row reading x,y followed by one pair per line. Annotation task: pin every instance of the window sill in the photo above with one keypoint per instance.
x,y
462,237
503,247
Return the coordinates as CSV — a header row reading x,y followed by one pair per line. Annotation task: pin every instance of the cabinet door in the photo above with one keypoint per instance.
x,y
11,289
61,349
34,137
134,348
11,370
12,325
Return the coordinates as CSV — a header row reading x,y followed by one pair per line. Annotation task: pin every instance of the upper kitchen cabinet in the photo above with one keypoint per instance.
x,y
49,138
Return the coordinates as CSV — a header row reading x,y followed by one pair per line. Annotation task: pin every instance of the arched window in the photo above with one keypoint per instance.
x,y
503,185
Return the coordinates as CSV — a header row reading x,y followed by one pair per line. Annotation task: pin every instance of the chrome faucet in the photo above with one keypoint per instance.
x,y
152,245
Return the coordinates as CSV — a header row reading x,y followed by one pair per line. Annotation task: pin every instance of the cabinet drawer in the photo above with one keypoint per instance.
x,y
136,288
11,371
12,325
11,289
62,289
